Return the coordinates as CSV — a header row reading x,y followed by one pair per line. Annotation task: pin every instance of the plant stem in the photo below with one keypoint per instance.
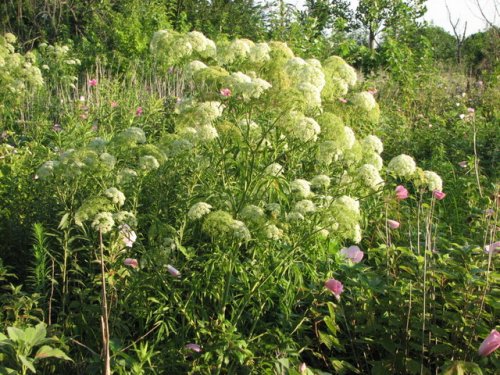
x,y
104,316
476,159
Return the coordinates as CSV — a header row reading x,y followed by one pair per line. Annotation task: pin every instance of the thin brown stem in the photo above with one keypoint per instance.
x,y
104,316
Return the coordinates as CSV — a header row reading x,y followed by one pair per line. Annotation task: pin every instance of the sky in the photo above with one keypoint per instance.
x,y
463,10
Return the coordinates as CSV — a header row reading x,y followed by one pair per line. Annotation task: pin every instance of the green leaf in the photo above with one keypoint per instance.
x,y
48,352
15,334
27,363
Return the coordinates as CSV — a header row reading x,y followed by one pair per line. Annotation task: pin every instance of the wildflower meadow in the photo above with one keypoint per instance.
x,y
248,200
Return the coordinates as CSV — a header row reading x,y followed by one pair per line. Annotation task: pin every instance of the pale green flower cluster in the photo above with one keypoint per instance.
x,y
103,222
274,170
320,182
433,181
125,217
220,225
301,188
370,177
148,163
308,78
115,195
339,76
17,72
364,100
47,169
304,207
402,166
237,50
259,53
246,86
253,214
373,143
198,210
174,47
299,127
272,232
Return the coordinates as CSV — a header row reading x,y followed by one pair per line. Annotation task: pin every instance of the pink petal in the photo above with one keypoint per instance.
x,y
439,195
401,192
335,287
131,262
194,347
173,271
490,344
393,224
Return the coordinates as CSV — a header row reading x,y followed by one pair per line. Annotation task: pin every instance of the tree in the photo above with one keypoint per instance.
x,y
334,15
378,15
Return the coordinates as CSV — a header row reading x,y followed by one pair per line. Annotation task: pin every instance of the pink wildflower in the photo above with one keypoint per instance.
x,y
57,128
393,224
343,100
490,344
131,262
173,271
493,248
194,347
353,253
225,92
401,192
114,104
462,164
93,82
471,110
302,368
439,195
335,287
127,235
138,111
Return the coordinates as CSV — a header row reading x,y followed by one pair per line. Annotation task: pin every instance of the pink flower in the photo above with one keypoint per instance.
x,y
93,82
131,262
490,344
57,128
138,111
343,100
401,193
393,224
439,195
302,368
335,287
353,253
173,271
463,164
82,98
127,235
494,248
225,92
114,104
471,110
194,347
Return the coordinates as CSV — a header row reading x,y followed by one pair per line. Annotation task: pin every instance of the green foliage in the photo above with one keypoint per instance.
x,y
17,349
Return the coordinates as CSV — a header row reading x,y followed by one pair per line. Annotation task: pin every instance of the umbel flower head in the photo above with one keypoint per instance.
x,y
103,222
198,210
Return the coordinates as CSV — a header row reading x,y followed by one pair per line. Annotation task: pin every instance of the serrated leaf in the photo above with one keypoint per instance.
x,y
50,352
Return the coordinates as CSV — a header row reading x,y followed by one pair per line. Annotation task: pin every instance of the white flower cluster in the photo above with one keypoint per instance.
x,y
237,50
198,210
301,188
364,100
370,177
402,166
175,47
434,182
115,195
259,53
308,78
299,127
17,72
246,86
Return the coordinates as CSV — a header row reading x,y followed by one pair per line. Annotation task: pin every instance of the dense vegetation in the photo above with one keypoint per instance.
x,y
225,187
